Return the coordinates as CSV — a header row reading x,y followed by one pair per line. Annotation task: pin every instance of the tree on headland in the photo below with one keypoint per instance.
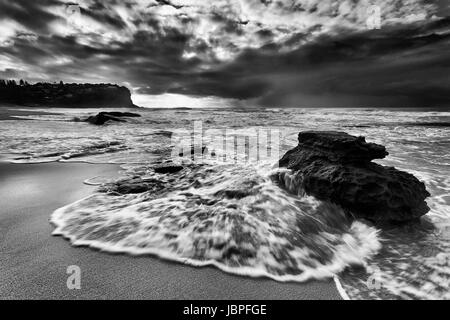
x,y
12,83
58,93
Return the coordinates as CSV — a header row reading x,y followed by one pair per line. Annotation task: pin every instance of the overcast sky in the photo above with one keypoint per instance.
x,y
268,52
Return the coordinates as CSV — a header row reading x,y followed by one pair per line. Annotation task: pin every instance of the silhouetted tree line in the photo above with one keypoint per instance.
x,y
13,83
64,94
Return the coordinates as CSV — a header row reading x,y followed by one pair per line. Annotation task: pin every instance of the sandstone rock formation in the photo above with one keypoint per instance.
x,y
337,167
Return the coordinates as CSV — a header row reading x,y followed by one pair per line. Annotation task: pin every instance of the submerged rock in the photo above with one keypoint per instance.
x,y
122,114
133,185
337,167
167,168
104,117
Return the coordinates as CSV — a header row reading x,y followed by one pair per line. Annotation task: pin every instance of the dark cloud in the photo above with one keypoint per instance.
x,y
398,66
28,13
9,73
102,15
169,3
402,64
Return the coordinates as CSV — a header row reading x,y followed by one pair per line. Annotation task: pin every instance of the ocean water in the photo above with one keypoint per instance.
x,y
224,209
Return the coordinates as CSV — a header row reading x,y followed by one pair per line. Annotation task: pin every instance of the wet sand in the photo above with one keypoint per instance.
x,y
33,263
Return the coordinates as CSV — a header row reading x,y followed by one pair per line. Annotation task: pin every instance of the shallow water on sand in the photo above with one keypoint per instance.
x,y
231,214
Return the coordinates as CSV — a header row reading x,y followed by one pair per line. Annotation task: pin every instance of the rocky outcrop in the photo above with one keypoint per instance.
x,y
133,185
63,95
337,167
167,168
103,117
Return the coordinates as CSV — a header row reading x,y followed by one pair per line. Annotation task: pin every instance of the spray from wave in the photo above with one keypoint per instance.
x,y
232,217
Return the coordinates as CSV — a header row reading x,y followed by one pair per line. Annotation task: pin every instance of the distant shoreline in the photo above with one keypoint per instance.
x,y
65,95
12,112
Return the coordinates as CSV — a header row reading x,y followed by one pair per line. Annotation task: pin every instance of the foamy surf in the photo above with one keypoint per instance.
x,y
210,215
148,140
413,264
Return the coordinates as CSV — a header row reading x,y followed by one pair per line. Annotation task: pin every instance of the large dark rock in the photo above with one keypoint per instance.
x,y
337,167
104,117
167,168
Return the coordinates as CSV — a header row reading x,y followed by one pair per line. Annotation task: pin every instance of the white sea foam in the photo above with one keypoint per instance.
x,y
294,236
242,224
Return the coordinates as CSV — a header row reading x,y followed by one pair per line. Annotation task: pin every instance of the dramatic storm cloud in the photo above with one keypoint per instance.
x,y
266,52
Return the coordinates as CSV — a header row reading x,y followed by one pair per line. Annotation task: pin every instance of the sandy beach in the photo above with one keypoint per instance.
x,y
33,263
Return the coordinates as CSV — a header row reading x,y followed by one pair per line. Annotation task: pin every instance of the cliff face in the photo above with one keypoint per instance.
x,y
66,95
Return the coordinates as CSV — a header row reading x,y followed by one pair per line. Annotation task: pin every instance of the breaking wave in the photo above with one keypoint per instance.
x,y
232,217
236,217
